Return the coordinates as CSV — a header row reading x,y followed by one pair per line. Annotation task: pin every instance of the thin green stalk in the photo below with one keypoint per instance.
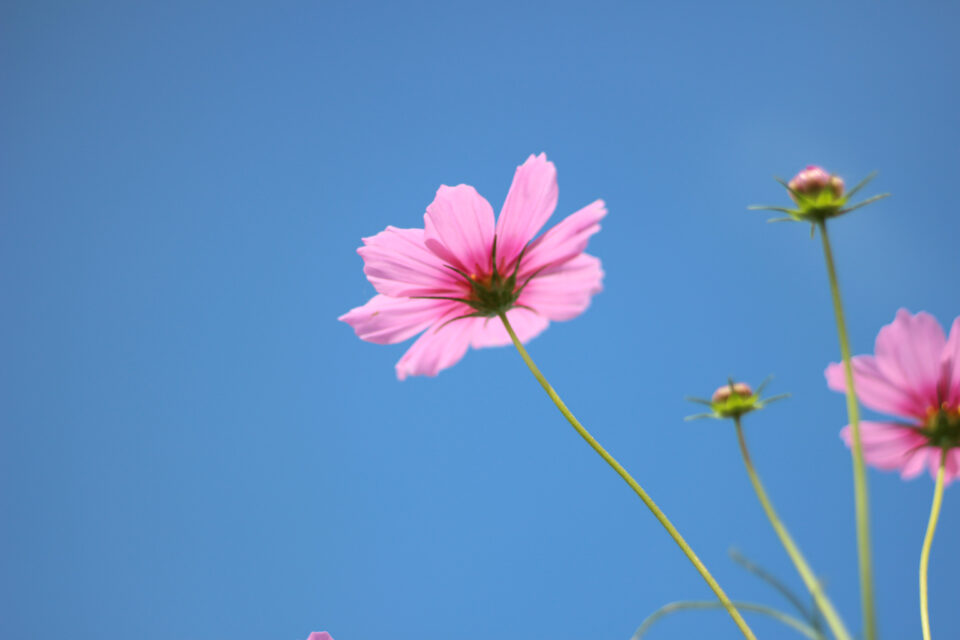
x,y
809,579
774,582
675,607
927,543
861,493
647,500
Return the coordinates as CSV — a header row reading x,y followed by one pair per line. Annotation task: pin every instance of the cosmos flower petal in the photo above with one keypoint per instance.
x,y
886,445
529,204
440,346
489,332
564,292
914,462
953,466
564,241
458,228
874,389
908,352
398,263
320,635
951,366
387,320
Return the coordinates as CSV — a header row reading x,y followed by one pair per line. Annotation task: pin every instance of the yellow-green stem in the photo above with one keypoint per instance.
x,y
809,579
647,500
927,543
861,495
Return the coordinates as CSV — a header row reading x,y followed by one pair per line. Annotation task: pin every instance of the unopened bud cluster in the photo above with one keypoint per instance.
x,y
732,400
723,394
814,181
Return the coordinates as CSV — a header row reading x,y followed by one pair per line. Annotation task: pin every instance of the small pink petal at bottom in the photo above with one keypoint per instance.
x,y
490,332
440,346
953,466
890,446
320,635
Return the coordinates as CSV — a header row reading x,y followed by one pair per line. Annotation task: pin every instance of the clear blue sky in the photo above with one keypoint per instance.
x,y
192,447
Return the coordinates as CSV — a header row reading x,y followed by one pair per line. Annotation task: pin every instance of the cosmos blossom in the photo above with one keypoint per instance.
x,y
320,635
914,374
451,279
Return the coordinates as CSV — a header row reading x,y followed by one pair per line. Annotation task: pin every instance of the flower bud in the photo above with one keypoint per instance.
x,y
836,185
819,196
741,389
810,181
733,400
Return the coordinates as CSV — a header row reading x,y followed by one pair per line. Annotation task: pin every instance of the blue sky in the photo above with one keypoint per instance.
x,y
191,446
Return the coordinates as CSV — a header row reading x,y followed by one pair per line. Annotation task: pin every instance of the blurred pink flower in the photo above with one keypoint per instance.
x,y
915,374
320,635
441,280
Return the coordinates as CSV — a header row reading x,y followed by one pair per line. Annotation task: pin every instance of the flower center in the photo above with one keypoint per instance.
x,y
493,294
943,426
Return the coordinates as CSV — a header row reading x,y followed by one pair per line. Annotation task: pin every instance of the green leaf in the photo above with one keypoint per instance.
x,y
763,385
861,184
772,580
685,605
699,416
865,203
766,207
776,398
799,196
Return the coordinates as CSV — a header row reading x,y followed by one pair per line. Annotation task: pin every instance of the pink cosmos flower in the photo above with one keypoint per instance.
x,y
320,635
915,374
451,279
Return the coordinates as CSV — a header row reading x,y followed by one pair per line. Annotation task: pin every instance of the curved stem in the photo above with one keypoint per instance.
x,y
674,607
773,581
809,579
861,493
647,500
927,543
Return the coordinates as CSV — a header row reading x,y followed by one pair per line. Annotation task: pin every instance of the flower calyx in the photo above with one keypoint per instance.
x,y
819,196
496,293
490,294
942,427
733,400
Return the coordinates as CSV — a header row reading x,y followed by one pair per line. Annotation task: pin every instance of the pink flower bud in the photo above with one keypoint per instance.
x,y
742,389
836,185
810,181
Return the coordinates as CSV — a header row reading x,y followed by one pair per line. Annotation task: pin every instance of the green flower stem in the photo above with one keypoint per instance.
x,y
809,579
861,493
927,542
647,500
